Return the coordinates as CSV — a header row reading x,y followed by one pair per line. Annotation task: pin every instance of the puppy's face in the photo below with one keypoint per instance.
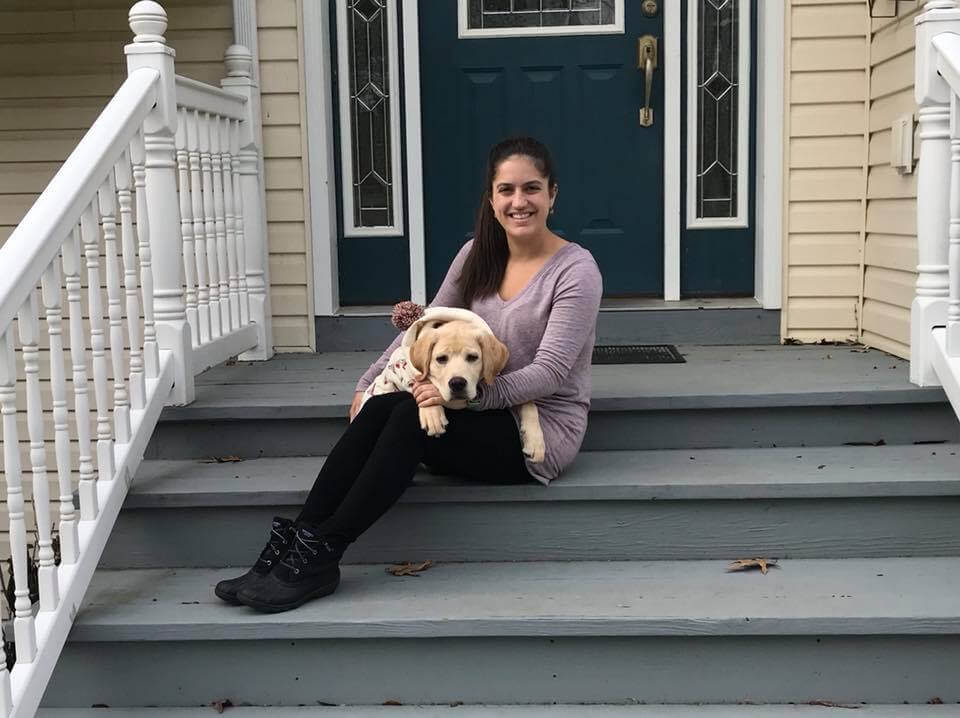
x,y
455,356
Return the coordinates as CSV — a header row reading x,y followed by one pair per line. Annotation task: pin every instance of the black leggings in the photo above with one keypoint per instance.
x,y
375,460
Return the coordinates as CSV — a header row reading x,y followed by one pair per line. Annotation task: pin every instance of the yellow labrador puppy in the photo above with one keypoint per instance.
x,y
454,348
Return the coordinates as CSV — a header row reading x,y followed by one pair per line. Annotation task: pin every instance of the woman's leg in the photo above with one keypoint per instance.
x,y
348,456
483,446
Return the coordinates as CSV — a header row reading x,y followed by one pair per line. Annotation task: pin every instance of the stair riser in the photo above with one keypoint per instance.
x,y
852,669
607,431
563,530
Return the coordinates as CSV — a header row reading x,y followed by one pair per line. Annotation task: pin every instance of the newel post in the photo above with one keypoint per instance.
x,y
239,81
148,21
929,308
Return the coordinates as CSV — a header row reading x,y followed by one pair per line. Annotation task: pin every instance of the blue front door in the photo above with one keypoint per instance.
x,y
582,95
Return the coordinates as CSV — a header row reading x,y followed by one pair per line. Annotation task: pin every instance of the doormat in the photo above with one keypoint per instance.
x,y
637,354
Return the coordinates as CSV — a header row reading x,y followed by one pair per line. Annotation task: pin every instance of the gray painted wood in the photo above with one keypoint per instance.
x,y
724,326
616,669
522,711
563,530
607,430
891,596
321,385
782,473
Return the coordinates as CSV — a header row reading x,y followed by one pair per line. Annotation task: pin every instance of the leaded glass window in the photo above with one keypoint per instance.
x,y
720,41
369,146
532,17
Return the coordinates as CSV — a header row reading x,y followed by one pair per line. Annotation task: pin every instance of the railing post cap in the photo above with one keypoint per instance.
x,y
239,61
148,21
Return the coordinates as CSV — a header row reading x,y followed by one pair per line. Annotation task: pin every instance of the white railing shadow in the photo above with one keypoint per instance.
x,y
159,212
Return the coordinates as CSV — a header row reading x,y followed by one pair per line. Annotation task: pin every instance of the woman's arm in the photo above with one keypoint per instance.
x,y
448,295
572,322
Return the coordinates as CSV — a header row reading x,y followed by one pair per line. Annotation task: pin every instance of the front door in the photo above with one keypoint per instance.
x,y
501,69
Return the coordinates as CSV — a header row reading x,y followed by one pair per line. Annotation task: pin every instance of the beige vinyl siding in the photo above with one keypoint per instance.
x,y
891,244
826,106
284,150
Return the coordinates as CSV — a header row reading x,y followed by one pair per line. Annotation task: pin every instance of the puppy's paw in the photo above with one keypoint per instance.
x,y
433,420
534,447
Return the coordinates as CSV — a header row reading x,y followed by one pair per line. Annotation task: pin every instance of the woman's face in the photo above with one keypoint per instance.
x,y
521,197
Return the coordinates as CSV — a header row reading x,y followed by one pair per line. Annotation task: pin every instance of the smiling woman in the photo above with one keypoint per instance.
x,y
534,291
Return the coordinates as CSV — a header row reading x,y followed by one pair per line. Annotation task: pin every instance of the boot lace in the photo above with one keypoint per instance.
x,y
303,549
273,548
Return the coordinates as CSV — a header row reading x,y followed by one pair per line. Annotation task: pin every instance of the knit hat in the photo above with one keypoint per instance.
x,y
444,314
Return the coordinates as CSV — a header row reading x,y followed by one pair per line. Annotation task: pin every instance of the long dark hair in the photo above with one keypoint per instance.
x,y
484,267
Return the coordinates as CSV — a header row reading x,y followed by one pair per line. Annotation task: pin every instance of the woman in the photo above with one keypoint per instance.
x,y
540,295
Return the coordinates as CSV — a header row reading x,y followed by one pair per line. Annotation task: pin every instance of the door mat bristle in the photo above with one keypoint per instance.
x,y
637,354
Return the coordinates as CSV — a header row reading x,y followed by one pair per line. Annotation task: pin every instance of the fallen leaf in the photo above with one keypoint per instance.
x,y
221,705
831,704
935,701
409,569
745,564
392,703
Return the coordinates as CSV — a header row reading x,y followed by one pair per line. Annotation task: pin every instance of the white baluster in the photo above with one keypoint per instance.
x,y
23,626
199,232
209,223
151,355
69,546
929,307
239,81
88,229
953,309
148,21
121,402
186,227
238,223
87,488
226,164
220,227
138,394
28,323
6,692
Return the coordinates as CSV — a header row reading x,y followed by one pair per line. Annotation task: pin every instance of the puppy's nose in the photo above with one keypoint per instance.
x,y
457,384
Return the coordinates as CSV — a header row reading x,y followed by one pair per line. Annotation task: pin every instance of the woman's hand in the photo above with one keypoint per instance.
x,y
355,406
425,392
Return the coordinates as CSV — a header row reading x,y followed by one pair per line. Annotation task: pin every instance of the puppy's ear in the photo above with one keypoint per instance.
x,y
421,353
495,355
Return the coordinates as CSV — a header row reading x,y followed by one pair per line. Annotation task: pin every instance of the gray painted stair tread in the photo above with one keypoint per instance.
x,y
321,385
891,596
524,711
811,472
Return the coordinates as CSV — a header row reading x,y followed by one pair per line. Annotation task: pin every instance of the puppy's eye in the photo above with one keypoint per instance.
x,y
472,357
441,359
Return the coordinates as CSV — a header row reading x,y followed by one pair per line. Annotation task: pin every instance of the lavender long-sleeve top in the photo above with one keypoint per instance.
x,y
550,329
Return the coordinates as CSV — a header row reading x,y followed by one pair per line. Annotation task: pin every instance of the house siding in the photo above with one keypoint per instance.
x,y
826,98
890,256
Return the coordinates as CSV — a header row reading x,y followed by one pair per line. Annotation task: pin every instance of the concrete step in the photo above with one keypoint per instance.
x,y
525,711
846,631
760,396
812,502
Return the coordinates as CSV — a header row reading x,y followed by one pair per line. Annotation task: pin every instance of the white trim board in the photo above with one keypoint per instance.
x,y
768,228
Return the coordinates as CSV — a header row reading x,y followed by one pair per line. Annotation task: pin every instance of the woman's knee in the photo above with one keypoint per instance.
x,y
381,405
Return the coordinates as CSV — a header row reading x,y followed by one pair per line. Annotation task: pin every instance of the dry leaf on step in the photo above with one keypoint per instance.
x,y
746,564
221,705
222,460
409,569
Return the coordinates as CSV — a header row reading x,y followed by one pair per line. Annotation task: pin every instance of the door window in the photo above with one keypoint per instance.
x,y
503,18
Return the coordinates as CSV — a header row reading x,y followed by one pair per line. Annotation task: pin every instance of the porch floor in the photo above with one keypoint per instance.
x,y
321,385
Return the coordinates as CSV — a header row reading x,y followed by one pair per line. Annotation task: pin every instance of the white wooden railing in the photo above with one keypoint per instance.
x,y
935,313
159,211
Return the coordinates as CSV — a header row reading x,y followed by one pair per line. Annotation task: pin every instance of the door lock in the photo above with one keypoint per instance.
x,y
647,62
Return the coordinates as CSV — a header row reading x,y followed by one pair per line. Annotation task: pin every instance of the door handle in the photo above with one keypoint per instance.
x,y
647,61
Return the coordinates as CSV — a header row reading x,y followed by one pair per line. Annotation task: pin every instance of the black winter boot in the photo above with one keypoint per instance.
x,y
281,536
310,569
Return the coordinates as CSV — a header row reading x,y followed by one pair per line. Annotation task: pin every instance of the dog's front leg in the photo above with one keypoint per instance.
x,y
433,420
531,434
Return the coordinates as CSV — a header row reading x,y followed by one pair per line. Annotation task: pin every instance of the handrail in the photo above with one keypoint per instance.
x,y
195,95
37,239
